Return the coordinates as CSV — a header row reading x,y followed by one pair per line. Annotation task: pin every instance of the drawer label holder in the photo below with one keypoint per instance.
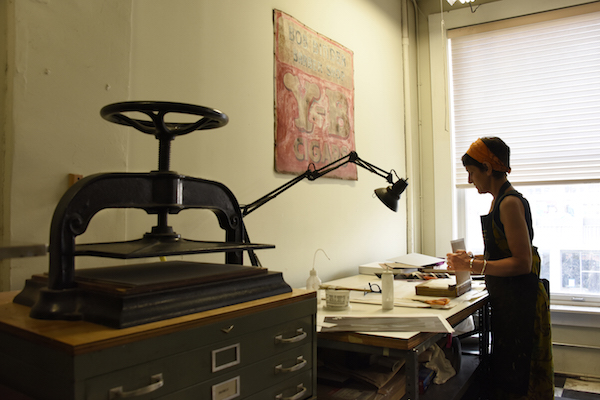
x,y
226,357
229,389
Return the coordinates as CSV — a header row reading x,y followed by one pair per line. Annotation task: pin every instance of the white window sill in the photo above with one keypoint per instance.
x,y
575,315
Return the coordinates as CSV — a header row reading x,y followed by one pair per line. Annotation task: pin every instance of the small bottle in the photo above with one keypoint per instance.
x,y
314,283
387,290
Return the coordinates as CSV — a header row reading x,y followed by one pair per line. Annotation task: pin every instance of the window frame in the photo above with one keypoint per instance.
x,y
459,226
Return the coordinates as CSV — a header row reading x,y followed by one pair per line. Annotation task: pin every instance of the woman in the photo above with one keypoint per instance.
x,y
521,360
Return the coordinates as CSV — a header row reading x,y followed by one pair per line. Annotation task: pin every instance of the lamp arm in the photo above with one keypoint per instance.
x,y
351,157
340,162
375,169
247,209
313,174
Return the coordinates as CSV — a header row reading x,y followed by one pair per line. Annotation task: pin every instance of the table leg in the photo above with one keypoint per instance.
x,y
412,375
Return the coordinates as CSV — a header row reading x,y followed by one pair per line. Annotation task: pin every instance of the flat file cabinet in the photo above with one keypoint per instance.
x,y
262,349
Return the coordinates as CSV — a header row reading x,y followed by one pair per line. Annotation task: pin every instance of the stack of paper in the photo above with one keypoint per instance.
x,y
388,323
408,263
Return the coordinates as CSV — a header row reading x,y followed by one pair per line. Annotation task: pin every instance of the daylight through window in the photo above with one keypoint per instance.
x,y
537,87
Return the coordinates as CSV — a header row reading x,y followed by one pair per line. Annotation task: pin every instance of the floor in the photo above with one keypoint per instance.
x,y
565,387
570,388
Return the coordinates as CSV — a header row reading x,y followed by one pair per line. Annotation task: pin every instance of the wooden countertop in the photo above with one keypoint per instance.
x,y
78,337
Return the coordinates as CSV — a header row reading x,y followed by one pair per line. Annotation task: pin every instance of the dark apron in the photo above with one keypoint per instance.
x,y
513,303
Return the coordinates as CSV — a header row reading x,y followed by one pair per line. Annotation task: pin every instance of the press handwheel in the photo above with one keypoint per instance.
x,y
164,131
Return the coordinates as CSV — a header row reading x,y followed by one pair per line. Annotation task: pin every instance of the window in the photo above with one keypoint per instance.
x,y
537,86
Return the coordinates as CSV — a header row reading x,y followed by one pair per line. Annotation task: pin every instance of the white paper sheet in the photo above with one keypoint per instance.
x,y
418,260
461,276
421,323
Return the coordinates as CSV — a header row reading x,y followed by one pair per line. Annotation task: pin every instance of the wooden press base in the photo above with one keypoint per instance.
x,y
131,295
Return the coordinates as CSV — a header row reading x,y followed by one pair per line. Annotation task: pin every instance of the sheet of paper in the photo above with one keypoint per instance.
x,y
458,244
418,260
461,276
416,323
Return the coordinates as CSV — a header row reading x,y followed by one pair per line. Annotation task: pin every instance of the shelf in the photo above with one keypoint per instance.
x,y
25,250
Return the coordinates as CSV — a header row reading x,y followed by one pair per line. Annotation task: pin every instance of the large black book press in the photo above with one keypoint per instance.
x,y
133,294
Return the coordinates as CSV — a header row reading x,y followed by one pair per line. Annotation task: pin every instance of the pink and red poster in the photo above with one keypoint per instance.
x,y
314,100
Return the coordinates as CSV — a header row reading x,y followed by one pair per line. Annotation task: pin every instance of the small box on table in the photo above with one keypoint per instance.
x,y
443,288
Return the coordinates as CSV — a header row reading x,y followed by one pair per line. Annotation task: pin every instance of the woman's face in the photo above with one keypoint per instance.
x,y
479,178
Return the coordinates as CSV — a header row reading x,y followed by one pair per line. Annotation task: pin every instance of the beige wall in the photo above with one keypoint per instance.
x,y
4,160
65,61
74,57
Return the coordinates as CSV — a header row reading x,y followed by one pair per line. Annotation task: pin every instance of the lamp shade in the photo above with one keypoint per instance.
x,y
391,194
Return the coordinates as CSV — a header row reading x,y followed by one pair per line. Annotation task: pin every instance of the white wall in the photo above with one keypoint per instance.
x,y
66,60
5,162
74,57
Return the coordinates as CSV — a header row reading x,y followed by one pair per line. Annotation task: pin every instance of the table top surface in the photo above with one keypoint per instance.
x,y
77,337
80,336
405,306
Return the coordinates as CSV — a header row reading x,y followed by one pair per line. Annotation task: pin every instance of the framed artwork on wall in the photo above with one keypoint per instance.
x,y
314,99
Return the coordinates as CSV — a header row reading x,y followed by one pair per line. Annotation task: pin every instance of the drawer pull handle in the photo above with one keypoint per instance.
x,y
227,330
156,382
301,392
301,336
300,363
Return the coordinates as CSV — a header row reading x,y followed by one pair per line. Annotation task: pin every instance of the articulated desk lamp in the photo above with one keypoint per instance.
x,y
135,294
389,195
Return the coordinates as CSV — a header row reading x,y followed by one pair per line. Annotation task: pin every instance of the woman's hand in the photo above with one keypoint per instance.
x,y
459,261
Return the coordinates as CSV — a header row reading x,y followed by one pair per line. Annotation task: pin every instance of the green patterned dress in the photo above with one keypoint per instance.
x,y
521,361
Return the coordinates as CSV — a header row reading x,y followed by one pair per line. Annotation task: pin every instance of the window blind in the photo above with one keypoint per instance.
x,y
538,88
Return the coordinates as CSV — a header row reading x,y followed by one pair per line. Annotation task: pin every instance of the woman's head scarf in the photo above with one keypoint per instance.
x,y
481,153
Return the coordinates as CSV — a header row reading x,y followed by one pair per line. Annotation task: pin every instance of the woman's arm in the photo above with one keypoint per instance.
x,y
512,216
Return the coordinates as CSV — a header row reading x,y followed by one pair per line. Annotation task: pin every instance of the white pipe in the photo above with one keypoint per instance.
x,y
419,123
414,219
410,219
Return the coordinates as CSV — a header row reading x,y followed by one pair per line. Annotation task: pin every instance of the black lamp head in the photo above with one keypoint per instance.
x,y
391,194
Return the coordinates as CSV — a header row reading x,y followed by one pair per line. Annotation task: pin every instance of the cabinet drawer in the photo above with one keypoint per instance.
x,y
298,387
258,379
120,357
178,372
272,340
238,352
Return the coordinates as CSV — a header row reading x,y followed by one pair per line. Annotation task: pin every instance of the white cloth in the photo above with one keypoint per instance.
x,y
440,364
